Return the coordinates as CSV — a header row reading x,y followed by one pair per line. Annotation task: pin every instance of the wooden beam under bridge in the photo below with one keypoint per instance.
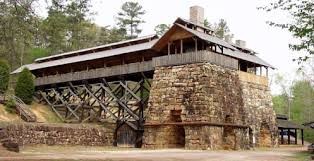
x,y
121,101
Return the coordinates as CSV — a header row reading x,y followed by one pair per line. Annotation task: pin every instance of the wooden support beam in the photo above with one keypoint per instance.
x,y
181,46
169,47
51,105
289,136
65,103
302,136
197,123
281,139
120,103
296,136
100,103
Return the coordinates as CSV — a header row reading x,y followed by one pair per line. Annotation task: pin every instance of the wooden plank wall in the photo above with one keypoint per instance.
x,y
252,78
196,57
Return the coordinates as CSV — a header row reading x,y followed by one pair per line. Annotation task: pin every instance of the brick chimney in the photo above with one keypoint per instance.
x,y
241,43
197,15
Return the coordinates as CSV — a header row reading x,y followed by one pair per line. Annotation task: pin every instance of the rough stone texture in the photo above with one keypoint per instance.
x,y
259,113
59,134
205,92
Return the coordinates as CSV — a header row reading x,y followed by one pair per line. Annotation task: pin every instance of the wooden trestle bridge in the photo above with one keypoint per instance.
x,y
112,82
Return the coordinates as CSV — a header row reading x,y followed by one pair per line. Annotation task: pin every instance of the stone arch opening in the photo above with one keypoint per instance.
x,y
229,138
264,139
178,131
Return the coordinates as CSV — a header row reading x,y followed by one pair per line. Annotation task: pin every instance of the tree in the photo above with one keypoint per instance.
x,y
161,29
302,105
207,23
129,18
300,26
25,87
4,76
221,29
18,25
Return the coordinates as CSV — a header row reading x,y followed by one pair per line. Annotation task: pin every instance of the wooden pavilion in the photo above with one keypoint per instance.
x,y
289,128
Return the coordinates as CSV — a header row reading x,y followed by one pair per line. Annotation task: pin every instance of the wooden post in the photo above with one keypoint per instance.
x,y
289,136
266,71
181,42
302,136
296,136
260,71
169,48
195,40
281,139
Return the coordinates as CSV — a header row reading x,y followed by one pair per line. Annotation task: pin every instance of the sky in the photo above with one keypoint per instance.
x,y
245,21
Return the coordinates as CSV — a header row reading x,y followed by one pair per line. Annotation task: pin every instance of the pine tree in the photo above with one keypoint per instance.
x,y
161,29
129,18
221,29
25,87
4,76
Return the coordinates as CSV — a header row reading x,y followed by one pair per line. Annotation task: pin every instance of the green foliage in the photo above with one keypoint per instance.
x,y
302,104
17,30
35,53
300,25
221,29
161,29
207,23
309,135
10,106
130,18
4,76
25,86
280,104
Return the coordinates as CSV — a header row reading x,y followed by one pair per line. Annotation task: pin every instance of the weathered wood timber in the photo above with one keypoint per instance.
x,y
195,57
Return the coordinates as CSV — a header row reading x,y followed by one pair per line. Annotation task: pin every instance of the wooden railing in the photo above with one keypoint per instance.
x,y
252,78
167,60
96,73
196,57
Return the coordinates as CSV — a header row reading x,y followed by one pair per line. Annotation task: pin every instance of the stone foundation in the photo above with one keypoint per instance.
x,y
59,134
206,93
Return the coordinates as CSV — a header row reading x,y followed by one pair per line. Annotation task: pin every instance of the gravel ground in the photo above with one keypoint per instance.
x,y
120,154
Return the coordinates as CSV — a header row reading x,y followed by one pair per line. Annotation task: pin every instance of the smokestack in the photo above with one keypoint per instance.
x,y
228,38
241,43
197,15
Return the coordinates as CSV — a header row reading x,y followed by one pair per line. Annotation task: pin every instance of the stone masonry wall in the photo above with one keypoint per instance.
x,y
200,93
59,134
204,92
260,115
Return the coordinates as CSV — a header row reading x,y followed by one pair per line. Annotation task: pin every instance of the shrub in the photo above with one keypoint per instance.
x,y
4,76
10,106
25,88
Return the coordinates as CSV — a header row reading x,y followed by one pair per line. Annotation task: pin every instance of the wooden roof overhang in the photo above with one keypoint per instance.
x,y
137,51
178,31
110,46
287,124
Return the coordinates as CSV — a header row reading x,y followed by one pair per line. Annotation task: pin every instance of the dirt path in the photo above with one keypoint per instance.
x,y
114,154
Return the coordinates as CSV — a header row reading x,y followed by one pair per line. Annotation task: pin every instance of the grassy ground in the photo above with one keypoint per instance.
x,y
8,117
303,156
42,112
